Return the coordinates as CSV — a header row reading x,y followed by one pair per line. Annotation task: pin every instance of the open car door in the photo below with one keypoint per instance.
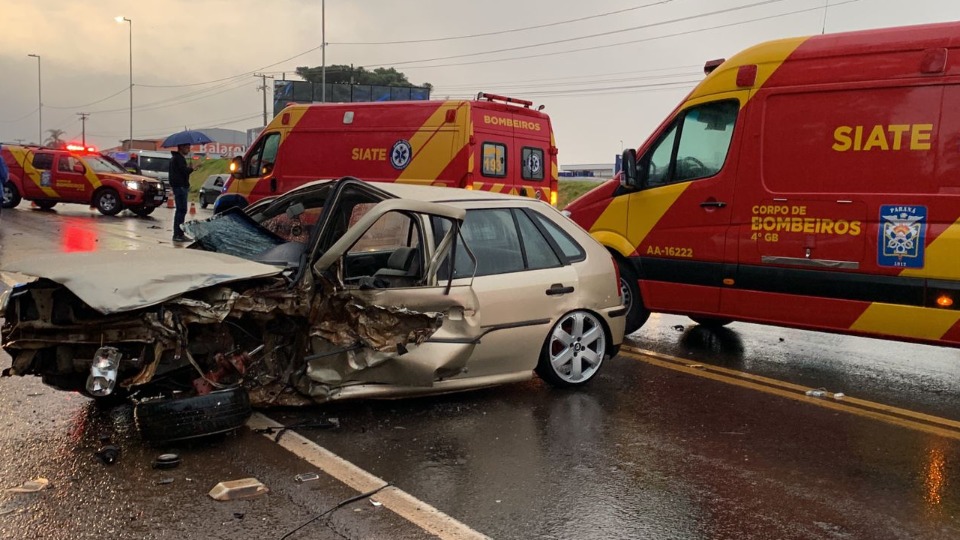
x,y
383,316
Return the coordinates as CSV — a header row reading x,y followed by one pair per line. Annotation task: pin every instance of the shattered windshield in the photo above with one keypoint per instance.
x,y
277,233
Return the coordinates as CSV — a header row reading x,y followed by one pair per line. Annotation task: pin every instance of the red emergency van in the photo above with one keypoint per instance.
x,y
493,143
807,182
48,176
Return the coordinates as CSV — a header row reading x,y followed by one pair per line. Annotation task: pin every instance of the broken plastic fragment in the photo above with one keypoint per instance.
x,y
244,488
376,502
306,477
31,486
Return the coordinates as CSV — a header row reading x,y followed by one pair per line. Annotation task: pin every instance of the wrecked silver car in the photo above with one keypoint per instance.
x,y
338,289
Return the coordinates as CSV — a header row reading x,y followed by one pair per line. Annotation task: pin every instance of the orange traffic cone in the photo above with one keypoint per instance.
x,y
193,208
169,202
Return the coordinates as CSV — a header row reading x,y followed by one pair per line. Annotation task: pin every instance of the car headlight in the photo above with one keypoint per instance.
x,y
132,184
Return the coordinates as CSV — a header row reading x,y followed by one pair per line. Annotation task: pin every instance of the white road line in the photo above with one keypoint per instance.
x,y
403,504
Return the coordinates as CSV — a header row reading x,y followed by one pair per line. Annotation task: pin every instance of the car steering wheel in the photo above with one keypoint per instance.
x,y
693,167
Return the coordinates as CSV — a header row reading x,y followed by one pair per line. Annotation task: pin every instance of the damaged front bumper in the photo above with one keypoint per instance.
x,y
257,334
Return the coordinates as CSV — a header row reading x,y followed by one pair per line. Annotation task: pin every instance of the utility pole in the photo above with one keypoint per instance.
x,y
263,88
39,99
323,51
83,130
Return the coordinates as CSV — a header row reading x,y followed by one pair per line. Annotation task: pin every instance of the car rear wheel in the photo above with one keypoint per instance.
x,y
107,201
191,416
574,350
143,211
11,197
46,205
203,202
637,314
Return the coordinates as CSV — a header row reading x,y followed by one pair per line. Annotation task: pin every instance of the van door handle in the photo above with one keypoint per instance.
x,y
558,288
715,204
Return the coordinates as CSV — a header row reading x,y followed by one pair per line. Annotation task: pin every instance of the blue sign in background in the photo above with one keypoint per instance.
x,y
903,231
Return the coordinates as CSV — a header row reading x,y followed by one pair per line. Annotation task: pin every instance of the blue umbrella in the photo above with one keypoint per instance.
x,y
186,137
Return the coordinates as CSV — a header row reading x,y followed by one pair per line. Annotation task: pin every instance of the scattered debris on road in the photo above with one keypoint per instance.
x,y
30,486
245,488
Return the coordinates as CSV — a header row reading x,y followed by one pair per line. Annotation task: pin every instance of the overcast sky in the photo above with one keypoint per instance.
x,y
608,71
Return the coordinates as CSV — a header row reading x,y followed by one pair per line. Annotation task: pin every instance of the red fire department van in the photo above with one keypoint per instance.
x,y
75,174
809,182
493,143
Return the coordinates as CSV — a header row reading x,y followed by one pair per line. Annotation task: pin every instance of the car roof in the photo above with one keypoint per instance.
x,y
438,194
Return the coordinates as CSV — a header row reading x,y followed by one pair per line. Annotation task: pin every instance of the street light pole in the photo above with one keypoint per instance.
x,y
121,19
39,99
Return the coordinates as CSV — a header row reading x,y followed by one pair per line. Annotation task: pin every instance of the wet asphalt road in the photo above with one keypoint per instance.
x,y
642,452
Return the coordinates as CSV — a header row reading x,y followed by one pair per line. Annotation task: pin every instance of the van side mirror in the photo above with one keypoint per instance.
x,y
630,178
236,167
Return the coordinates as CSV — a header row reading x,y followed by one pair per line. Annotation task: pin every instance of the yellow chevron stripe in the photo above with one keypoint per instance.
x,y
31,172
766,56
654,202
941,257
433,143
906,321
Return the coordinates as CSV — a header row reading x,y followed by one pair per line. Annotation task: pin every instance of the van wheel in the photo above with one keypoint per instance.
x,y
11,197
143,211
46,205
107,201
574,350
637,314
710,322
192,416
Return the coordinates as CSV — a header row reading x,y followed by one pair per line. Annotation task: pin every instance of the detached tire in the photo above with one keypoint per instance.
x,y
189,417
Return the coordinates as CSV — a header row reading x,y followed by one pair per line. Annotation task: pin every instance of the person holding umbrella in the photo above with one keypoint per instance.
x,y
179,174
179,177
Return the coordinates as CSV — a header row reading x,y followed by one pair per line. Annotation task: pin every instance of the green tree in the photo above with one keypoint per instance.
x,y
54,139
345,74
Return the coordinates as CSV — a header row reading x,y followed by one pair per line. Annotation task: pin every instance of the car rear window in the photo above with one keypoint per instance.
x,y
571,250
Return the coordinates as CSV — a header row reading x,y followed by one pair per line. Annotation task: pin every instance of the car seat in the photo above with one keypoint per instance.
x,y
402,269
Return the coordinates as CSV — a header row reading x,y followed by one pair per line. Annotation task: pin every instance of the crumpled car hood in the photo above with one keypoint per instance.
x,y
117,281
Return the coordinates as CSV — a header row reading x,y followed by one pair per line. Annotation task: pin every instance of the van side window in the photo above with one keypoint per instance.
x,y
43,161
531,163
263,157
696,145
494,160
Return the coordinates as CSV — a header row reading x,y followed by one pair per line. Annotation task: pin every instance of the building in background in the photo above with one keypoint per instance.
x,y
287,92
597,171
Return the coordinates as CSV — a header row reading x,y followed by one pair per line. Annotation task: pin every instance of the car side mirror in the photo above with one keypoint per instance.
x,y
630,177
78,168
236,167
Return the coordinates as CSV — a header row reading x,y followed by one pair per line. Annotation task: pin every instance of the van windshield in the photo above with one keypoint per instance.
x,y
154,164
